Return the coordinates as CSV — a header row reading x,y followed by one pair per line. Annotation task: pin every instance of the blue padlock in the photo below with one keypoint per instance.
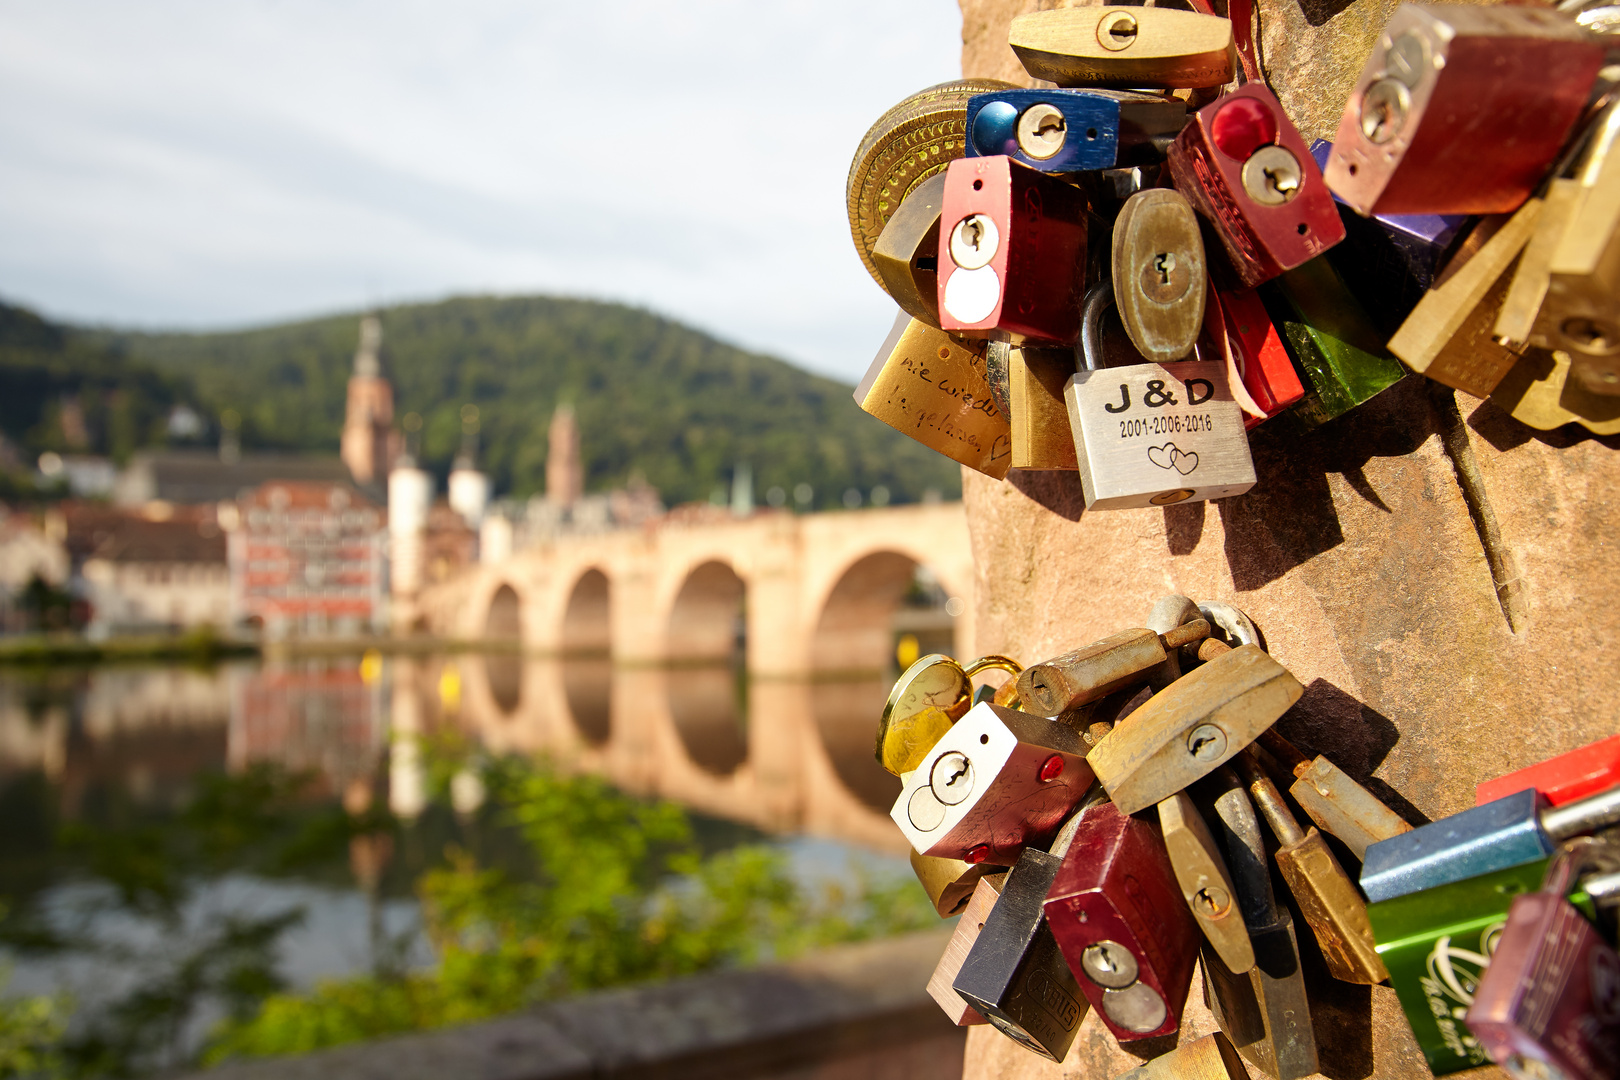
x,y
1066,131
1511,831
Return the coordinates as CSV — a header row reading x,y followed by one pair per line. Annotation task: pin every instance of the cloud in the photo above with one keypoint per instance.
x,y
201,164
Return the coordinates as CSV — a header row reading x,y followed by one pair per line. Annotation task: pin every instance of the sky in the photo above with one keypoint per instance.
x,y
207,165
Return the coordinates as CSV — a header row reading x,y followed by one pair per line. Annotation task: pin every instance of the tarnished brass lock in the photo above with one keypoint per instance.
x,y
975,912
1159,274
949,883
931,386
1205,884
906,254
1040,418
1012,252
1448,335
1140,47
1069,131
1246,169
1192,727
911,142
1151,435
1339,806
1265,1011
931,695
996,782
1015,975
1211,1058
1326,896
1094,671
1408,142
1114,910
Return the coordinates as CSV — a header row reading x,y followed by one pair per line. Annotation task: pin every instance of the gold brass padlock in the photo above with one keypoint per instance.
x,y
913,141
1041,438
1094,671
1541,393
1124,47
1160,277
1211,1058
1327,898
931,386
907,251
1192,727
1339,806
1205,883
1448,335
948,882
930,696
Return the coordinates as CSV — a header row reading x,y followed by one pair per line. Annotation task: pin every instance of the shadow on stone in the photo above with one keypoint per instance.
x,y
1318,12
1497,427
1326,720
1058,490
1286,519
1183,527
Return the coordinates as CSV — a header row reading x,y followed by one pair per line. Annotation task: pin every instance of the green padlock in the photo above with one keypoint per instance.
x,y
1339,355
1436,945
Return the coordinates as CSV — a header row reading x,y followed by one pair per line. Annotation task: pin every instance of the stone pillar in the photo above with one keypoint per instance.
x,y
1435,573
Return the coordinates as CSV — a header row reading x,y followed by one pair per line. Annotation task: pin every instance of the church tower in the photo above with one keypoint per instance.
x,y
370,443
565,473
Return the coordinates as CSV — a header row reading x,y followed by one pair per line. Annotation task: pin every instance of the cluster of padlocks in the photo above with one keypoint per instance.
x,y
1122,273
1099,847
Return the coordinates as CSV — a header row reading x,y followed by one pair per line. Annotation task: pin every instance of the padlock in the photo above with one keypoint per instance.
x,y
914,140
1205,885
1562,779
1549,1002
1326,896
931,695
906,253
1093,672
1127,47
997,371
1389,261
1246,170
1339,806
1211,1058
1241,335
1436,943
1012,249
1581,313
1040,418
931,386
1334,346
1265,1011
1192,727
1070,131
1116,913
1151,435
1409,141
1448,335
997,781
1014,975
975,911
1518,828
1160,278
949,883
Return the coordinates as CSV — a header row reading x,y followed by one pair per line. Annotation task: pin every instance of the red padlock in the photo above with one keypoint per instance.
x,y
1012,253
1562,779
1118,916
1247,171
1254,351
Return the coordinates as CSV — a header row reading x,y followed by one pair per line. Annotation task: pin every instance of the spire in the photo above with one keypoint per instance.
x,y
367,359
565,473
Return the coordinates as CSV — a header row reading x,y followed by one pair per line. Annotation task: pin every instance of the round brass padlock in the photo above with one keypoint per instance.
x,y
914,140
930,696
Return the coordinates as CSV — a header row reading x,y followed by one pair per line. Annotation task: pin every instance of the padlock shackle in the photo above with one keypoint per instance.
x,y
1268,800
1245,852
1099,298
1603,890
1584,815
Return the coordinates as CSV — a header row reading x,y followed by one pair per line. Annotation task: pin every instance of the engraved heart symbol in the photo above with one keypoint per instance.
x,y
1170,456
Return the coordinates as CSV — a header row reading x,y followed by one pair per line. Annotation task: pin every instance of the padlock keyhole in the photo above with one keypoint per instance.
x,y
1165,263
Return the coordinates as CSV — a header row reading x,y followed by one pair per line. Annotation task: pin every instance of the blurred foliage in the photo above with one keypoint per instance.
x,y
556,886
651,396
620,894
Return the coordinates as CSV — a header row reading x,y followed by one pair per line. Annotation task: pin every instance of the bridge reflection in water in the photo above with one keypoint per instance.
x,y
783,755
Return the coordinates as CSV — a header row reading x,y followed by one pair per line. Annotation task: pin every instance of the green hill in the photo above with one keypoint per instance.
x,y
650,394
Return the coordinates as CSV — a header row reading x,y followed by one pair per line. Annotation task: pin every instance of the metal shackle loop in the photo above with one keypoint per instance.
x,y
994,662
1099,298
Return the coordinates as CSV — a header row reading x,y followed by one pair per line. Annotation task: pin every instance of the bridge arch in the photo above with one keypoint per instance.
x,y
587,622
707,620
859,615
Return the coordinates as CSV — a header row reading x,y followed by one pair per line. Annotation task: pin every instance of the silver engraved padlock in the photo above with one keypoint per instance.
x,y
1152,434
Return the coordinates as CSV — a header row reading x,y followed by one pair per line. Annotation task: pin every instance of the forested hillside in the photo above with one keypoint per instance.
x,y
650,394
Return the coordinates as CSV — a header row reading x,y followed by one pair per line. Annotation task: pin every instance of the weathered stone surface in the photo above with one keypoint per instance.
x,y
1371,553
